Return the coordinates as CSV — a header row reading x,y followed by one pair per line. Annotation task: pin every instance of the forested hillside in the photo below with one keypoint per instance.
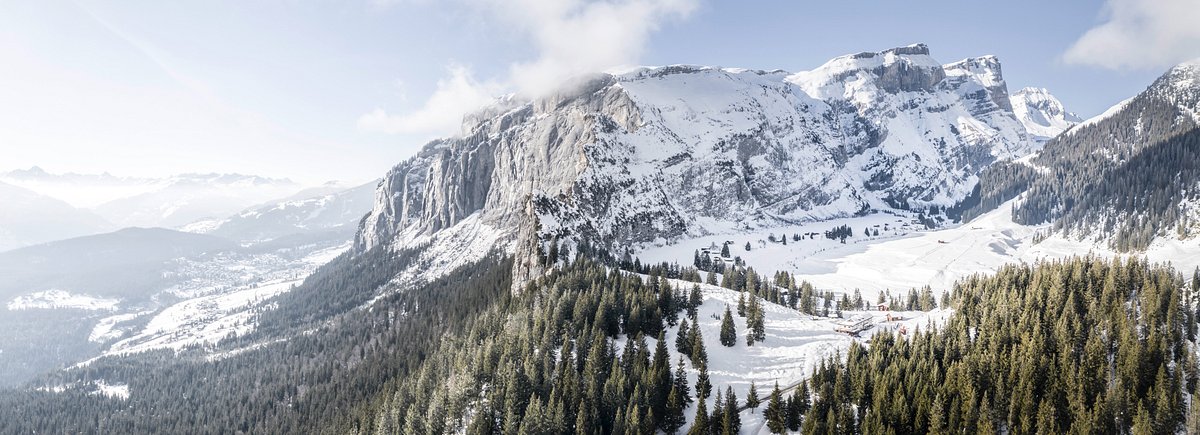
x,y
333,362
1082,346
1123,179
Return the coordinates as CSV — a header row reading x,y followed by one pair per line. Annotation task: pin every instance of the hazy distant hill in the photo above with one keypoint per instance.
x,y
28,218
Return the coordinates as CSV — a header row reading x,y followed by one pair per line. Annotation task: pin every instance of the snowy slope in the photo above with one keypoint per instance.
x,y
905,257
795,345
1041,113
211,313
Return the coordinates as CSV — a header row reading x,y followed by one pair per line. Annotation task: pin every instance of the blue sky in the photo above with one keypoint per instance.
x,y
322,89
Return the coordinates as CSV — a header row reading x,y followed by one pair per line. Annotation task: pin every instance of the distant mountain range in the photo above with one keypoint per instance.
x,y
28,218
154,202
331,208
42,206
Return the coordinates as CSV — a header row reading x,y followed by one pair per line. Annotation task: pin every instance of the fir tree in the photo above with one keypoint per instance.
x,y
728,333
695,299
752,400
700,422
681,383
776,412
703,384
660,377
699,354
731,418
683,338
673,418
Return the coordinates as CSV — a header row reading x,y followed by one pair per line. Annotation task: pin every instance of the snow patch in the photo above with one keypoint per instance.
x,y
112,391
61,299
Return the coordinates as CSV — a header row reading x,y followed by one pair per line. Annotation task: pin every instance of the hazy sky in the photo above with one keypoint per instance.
x,y
323,89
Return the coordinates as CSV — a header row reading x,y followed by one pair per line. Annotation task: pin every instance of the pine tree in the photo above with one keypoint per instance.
x,y
728,333
776,412
725,250
937,422
756,319
752,400
673,419
695,299
700,422
716,417
699,354
586,422
703,384
741,305
795,407
660,377
414,422
534,422
681,383
747,246
683,338
731,418
801,398
633,424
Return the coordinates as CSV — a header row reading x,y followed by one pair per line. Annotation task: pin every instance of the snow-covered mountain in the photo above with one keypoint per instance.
x,y
617,160
330,208
27,218
1041,113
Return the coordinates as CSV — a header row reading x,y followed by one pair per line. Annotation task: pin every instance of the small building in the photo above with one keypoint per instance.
x,y
854,325
881,307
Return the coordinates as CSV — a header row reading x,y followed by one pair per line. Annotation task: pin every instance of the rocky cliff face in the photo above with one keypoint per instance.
x,y
656,153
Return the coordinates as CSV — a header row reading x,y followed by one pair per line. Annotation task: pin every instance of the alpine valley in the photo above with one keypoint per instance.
x,y
883,244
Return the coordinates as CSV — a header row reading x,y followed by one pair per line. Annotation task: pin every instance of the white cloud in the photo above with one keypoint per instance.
x,y
1141,34
577,37
456,95
572,37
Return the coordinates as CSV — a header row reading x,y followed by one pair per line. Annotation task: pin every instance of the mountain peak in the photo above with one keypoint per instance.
x,y
1041,113
900,69
1030,90
911,49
